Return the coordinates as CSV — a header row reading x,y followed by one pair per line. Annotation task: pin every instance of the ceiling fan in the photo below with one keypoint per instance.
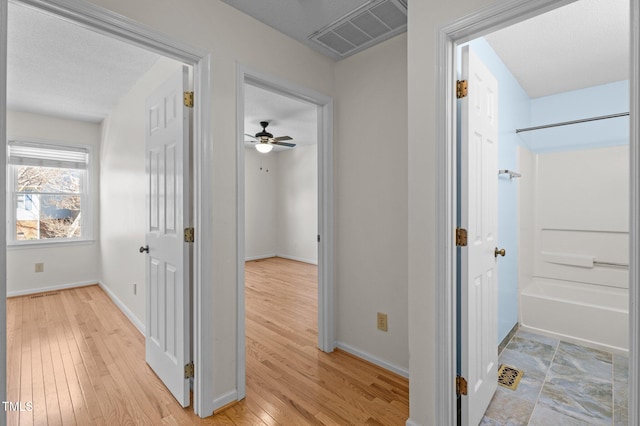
x,y
266,140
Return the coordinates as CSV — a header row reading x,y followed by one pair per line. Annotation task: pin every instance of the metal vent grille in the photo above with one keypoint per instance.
x,y
369,24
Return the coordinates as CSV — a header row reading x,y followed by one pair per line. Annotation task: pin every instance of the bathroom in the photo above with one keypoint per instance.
x,y
563,202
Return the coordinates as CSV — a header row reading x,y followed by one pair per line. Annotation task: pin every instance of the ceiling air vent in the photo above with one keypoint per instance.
x,y
367,25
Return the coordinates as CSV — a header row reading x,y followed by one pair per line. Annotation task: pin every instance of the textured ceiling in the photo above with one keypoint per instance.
x,y
583,44
57,68
286,116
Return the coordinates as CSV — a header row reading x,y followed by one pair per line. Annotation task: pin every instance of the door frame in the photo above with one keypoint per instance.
x,y
326,339
119,27
460,31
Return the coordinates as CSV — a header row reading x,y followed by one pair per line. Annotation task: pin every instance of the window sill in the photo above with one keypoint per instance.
x,y
47,244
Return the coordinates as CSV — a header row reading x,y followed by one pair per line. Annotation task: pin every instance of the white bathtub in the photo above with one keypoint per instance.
x,y
596,316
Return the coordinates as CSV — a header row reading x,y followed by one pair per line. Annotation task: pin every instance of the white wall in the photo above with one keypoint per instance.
x,y
581,207
122,192
425,21
526,206
260,209
64,264
297,200
371,202
281,204
232,38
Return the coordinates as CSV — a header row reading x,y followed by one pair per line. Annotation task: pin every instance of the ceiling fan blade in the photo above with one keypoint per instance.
x,y
283,138
250,141
251,136
290,145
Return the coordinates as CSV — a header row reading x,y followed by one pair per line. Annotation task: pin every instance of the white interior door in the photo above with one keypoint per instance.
x,y
167,292
479,216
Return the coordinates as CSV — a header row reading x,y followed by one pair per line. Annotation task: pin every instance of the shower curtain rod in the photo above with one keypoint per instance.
x,y
566,123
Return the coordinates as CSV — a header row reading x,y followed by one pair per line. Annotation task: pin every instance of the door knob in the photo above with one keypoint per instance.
x,y
501,252
146,248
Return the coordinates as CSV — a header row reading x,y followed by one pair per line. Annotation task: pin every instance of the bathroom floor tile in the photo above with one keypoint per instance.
x,y
585,360
563,384
621,368
577,395
533,367
508,409
551,341
543,416
532,347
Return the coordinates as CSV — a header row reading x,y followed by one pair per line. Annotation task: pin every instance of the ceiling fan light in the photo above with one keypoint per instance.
x,y
264,147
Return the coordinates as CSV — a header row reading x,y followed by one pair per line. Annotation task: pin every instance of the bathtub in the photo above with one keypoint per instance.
x,y
592,315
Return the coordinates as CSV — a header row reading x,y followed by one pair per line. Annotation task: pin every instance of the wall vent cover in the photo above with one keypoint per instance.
x,y
365,26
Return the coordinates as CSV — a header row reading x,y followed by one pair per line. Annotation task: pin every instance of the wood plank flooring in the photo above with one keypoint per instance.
x,y
78,359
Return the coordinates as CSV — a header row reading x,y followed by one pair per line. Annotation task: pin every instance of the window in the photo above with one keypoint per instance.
x,y
48,193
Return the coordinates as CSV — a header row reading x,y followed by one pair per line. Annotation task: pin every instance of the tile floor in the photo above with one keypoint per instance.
x,y
563,384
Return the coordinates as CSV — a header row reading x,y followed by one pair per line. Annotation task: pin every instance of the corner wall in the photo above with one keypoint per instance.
x,y
425,21
122,194
65,265
371,203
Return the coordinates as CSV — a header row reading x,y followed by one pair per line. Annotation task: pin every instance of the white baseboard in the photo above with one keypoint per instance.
x,y
262,256
50,288
225,399
411,423
132,317
299,259
372,359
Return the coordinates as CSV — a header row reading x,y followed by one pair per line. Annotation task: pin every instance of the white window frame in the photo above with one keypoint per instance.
x,y
86,197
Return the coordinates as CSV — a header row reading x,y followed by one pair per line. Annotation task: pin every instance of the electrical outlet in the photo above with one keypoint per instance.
x,y
40,267
382,321
135,289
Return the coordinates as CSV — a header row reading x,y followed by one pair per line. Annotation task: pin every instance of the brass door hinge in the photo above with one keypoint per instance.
x,y
461,237
188,371
188,99
189,235
461,385
461,88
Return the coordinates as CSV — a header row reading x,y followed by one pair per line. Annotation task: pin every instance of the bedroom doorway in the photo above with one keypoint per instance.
x,y
307,218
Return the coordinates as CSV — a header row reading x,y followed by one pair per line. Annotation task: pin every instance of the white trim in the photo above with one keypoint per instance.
x,y
117,26
137,322
225,399
3,209
297,259
325,208
411,423
634,215
51,288
467,28
373,359
260,257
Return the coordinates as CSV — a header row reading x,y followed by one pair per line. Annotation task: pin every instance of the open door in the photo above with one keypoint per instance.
x,y
479,216
167,332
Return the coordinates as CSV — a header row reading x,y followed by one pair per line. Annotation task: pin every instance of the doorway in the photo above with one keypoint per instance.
x,y
98,19
323,106
565,247
459,32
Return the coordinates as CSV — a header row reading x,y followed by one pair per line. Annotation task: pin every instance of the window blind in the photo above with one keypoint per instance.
x,y
43,155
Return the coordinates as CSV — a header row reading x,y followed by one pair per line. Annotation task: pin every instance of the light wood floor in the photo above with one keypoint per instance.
x,y
80,361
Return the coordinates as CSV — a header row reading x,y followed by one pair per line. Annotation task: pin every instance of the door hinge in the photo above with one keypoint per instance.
x,y
188,371
461,385
189,235
461,88
318,238
188,99
461,237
